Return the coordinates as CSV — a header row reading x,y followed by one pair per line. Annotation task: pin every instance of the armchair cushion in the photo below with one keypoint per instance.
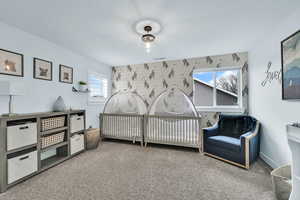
x,y
235,126
226,142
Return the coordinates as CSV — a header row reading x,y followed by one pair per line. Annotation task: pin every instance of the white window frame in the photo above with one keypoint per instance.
x,y
215,107
99,100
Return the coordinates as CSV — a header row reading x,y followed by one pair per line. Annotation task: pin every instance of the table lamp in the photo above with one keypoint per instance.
x,y
10,89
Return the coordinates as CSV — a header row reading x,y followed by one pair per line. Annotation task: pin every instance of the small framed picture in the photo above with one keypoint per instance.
x,y
65,74
42,69
11,63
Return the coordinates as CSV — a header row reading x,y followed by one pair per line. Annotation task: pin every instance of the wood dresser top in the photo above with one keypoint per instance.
x,y
39,114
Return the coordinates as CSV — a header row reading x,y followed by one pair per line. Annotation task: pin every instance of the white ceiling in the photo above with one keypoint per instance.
x,y
103,29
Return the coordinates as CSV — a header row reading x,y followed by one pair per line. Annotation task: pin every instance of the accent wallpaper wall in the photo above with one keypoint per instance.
x,y
151,79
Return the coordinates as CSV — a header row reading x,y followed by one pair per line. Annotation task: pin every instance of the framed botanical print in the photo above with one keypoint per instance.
x,y
290,60
65,74
42,69
11,63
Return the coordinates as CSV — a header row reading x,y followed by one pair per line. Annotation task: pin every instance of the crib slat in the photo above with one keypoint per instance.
x,y
124,126
163,136
127,128
169,130
187,131
167,133
116,125
148,128
176,133
136,127
139,125
112,128
181,131
131,127
171,133
190,132
157,128
107,128
195,121
193,136
126,122
109,121
151,127
160,136
106,125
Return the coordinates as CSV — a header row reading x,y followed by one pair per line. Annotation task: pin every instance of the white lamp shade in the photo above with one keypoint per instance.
x,y
10,88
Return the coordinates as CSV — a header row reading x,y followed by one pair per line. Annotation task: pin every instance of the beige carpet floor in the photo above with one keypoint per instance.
x,y
123,171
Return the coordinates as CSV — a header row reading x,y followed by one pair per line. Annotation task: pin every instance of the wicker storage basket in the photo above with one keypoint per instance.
x,y
92,138
52,123
282,182
52,139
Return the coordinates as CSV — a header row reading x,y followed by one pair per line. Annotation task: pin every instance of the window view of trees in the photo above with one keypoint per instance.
x,y
225,83
228,83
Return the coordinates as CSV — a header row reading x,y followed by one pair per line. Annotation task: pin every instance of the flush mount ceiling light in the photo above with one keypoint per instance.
x,y
146,29
148,38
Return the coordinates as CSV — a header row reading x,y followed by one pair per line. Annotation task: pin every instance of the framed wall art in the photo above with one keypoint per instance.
x,y
42,69
290,59
65,74
11,63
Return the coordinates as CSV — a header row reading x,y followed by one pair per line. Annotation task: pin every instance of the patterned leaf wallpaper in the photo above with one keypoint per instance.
x,y
151,79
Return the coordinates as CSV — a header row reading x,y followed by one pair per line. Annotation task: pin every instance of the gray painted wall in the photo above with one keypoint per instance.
x,y
266,103
39,95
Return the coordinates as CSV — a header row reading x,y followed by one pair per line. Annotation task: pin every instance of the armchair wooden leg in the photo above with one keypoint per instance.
x,y
247,154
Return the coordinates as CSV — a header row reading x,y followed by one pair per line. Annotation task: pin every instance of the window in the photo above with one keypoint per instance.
x,y
98,87
218,89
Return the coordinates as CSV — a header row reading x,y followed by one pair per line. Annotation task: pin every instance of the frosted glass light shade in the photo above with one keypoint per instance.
x,y
125,102
10,88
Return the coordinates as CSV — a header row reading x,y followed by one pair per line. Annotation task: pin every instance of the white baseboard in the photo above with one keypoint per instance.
x,y
268,160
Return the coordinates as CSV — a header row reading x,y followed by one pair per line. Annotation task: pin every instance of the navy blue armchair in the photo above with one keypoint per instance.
x,y
234,139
